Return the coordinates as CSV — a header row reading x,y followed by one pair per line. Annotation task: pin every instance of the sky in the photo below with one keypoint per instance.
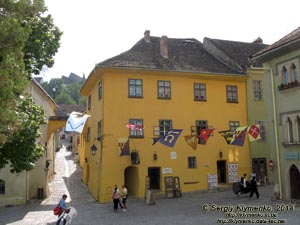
x,y
96,30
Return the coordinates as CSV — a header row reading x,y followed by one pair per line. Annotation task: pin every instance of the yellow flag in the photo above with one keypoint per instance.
x,y
192,141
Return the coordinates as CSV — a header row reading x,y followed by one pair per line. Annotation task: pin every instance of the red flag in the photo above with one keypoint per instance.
x,y
204,135
254,132
134,127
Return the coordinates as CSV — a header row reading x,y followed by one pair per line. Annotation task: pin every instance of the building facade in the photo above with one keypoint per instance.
x,y
236,55
169,89
18,188
281,62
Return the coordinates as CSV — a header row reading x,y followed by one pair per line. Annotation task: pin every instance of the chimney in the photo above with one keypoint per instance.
x,y
147,36
164,46
258,41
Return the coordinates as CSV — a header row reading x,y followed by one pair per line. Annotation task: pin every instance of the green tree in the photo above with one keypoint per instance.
x,y
23,150
64,94
82,100
74,91
28,42
41,45
64,98
54,87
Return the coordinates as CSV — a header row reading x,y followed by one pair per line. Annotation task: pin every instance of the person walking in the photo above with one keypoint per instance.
x,y
244,189
124,197
64,210
116,198
253,184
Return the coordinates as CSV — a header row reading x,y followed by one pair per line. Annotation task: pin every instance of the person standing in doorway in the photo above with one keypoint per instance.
x,y
124,197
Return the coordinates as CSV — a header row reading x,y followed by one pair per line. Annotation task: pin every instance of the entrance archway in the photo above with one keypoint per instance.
x,y
295,183
131,180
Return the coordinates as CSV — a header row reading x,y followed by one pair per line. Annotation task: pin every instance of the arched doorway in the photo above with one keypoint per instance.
x,y
295,183
131,180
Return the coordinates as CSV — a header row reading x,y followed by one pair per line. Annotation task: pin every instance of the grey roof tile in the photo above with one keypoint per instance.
x,y
184,55
238,52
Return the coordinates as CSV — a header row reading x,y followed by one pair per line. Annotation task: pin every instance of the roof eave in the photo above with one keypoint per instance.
x,y
275,52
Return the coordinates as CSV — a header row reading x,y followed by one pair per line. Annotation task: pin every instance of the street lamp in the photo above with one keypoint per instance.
x,y
93,149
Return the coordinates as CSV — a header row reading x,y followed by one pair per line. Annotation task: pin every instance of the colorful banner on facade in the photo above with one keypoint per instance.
x,y
239,135
254,132
171,137
76,122
191,140
134,127
124,147
227,135
155,140
204,135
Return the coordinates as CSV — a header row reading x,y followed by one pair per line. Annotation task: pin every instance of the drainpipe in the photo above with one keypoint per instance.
x,y
275,126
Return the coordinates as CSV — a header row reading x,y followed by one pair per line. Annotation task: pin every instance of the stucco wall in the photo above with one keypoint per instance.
x,y
107,168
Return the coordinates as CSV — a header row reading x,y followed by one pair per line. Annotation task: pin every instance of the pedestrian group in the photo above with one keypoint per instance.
x,y
117,197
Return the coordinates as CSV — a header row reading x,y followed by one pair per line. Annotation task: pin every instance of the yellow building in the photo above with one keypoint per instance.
x,y
158,85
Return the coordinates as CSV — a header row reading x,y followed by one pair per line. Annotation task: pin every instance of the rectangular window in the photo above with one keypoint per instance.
x,y
199,92
262,129
257,89
298,129
100,90
201,124
164,89
164,127
233,125
2,187
135,88
192,164
89,102
99,132
137,130
88,134
232,95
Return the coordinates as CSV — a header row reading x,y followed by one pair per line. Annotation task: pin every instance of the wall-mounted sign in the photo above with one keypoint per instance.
x,y
291,155
167,170
173,155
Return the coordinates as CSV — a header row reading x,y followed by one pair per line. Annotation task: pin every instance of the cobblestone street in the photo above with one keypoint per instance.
x,y
191,209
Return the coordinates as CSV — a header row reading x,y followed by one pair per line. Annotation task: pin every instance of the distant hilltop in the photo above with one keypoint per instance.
x,y
71,79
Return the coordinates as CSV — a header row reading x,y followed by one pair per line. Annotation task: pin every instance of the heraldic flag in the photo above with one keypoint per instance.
x,y
204,135
227,135
239,135
191,140
171,137
125,149
76,122
254,132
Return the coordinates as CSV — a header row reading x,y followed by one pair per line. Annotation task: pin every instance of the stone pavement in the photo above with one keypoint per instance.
x,y
191,209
